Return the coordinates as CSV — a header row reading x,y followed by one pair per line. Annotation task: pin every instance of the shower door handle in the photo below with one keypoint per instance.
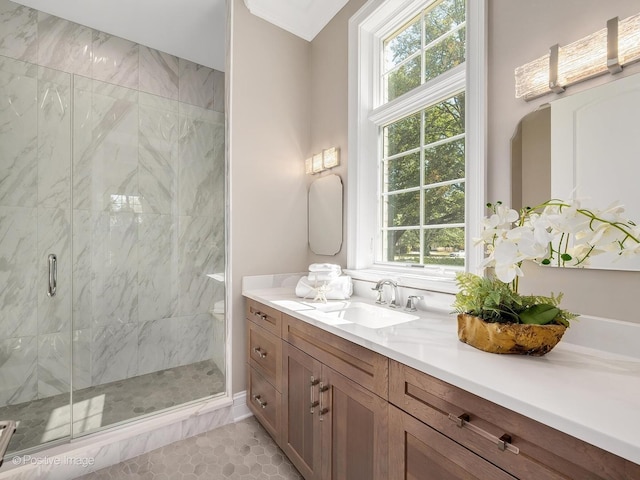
x,y
53,275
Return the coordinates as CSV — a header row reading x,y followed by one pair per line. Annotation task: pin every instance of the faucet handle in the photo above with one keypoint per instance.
x,y
411,303
379,299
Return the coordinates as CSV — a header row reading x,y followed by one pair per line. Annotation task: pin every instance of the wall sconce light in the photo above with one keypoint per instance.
x,y
324,160
606,50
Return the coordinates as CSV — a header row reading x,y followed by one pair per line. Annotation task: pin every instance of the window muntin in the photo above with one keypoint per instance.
x,y
422,212
430,44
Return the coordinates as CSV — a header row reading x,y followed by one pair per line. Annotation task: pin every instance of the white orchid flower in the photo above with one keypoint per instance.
x,y
563,231
502,218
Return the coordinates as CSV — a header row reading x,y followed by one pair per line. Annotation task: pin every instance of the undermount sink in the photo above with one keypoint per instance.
x,y
364,314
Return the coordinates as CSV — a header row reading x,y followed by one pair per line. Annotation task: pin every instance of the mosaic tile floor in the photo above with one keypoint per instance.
x,y
48,418
240,451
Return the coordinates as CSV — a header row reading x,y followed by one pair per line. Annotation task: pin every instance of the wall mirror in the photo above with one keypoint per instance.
x,y
325,215
587,145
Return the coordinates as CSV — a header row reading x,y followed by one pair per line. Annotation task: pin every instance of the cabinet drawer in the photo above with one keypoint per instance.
x,y
268,318
418,451
265,354
265,402
542,452
369,369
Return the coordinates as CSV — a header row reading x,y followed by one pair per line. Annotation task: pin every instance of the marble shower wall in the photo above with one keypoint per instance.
x,y
133,208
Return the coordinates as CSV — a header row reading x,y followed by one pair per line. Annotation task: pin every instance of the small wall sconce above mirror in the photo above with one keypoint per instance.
x,y
606,50
322,161
325,215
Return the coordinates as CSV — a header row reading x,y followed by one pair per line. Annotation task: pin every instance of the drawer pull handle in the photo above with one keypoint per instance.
x,y
259,401
503,443
314,403
260,315
261,353
323,410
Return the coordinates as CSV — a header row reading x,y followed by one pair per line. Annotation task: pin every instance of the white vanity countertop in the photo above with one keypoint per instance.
x,y
590,394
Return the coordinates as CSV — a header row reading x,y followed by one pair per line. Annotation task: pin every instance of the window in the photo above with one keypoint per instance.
x,y
416,140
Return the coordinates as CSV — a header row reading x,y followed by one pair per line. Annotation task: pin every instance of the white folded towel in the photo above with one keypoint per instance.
x,y
315,277
325,267
340,288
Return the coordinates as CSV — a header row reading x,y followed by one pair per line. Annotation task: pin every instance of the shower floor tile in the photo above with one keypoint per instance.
x,y
48,419
242,451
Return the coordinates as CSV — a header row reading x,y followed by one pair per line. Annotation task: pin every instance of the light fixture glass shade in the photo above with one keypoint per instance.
x,y
629,39
330,157
317,163
532,79
308,166
582,59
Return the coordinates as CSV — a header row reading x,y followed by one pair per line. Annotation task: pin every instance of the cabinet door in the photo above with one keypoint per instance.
x,y
418,452
354,430
300,435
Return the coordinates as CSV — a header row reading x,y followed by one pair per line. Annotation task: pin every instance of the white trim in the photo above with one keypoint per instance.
x,y
428,94
476,129
240,408
364,28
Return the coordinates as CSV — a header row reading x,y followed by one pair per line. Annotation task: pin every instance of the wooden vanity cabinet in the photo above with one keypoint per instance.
x,y
343,412
518,445
264,365
322,398
333,428
417,451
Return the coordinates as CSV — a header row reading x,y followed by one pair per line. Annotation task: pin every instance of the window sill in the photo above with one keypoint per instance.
x,y
408,277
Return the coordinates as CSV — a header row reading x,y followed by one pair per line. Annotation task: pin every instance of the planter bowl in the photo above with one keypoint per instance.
x,y
511,338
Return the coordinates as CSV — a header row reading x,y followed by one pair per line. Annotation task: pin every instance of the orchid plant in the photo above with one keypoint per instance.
x,y
556,232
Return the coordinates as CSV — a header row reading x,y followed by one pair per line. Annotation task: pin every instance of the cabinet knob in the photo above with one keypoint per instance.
x,y
260,315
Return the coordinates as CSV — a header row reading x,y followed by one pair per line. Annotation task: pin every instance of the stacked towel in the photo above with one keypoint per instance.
x,y
325,281
324,272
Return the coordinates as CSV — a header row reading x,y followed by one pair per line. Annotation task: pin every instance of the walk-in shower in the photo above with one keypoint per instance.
x,y
112,229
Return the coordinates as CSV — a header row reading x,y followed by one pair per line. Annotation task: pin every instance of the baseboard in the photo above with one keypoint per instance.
x,y
240,409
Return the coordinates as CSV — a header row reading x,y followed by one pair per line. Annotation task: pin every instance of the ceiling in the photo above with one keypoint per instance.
x,y
304,18
190,29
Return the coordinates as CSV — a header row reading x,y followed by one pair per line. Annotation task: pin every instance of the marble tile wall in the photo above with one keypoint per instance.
x,y
133,207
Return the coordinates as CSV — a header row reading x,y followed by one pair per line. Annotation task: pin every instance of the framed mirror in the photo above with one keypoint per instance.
x,y
585,146
325,215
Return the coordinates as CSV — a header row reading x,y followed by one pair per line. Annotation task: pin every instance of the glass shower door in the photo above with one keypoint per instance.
x,y
35,252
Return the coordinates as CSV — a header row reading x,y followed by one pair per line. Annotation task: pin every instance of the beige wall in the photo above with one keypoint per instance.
x,y
329,64
520,31
289,99
269,137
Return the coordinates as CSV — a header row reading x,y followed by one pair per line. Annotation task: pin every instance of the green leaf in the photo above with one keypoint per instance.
x,y
566,257
540,314
546,261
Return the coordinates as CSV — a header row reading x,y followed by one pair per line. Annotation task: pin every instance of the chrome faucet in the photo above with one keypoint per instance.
x,y
395,296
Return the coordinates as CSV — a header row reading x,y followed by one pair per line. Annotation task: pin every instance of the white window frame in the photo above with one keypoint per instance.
x,y
367,28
